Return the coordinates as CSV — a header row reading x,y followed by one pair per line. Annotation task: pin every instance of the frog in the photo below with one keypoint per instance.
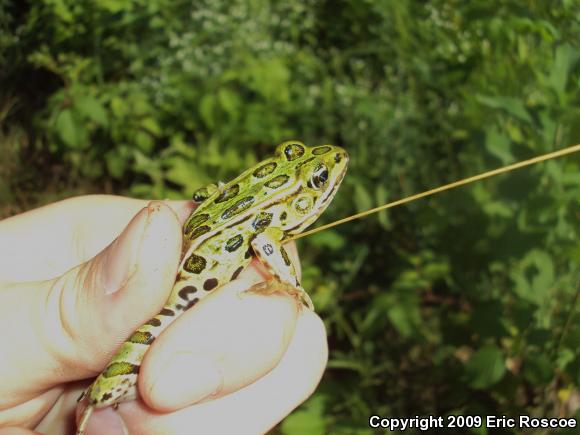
x,y
249,217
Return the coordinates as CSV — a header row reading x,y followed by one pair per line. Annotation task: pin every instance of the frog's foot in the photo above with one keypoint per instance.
x,y
85,419
269,251
273,286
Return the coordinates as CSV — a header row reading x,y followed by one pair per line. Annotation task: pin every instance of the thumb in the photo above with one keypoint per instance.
x,y
69,327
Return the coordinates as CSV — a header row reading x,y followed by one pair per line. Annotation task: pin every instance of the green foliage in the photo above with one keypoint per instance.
x,y
466,302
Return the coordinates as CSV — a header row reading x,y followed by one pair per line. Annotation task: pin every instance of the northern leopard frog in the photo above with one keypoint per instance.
x,y
250,216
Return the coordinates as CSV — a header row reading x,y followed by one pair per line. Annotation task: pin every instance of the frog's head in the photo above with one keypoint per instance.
x,y
316,173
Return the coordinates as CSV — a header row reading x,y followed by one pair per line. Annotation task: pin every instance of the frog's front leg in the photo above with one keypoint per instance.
x,y
268,248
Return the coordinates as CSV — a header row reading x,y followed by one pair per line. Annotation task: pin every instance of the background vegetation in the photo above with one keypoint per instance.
x,y
462,303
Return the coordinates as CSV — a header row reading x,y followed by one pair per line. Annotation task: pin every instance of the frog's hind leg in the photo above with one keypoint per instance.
x,y
269,250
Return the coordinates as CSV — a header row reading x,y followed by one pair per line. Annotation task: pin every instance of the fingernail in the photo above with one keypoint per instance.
x,y
108,421
186,379
121,256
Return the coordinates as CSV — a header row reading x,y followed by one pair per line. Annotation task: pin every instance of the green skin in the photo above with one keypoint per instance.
x,y
251,215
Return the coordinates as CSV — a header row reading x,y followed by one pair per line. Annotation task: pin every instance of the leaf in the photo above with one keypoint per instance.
x,y
230,102
542,282
488,321
498,145
301,422
511,105
534,276
62,10
112,6
565,59
139,104
571,179
362,198
116,164
206,110
381,195
269,77
119,107
330,239
144,141
308,419
70,131
565,356
185,174
404,314
549,126
151,125
486,367
538,369
90,108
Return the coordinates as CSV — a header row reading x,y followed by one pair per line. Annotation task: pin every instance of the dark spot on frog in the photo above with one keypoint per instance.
x,y
154,322
199,231
237,272
321,150
210,284
186,291
277,181
188,305
239,207
141,337
264,170
285,256
195,221
195,264
228,193
234,243
167,312
268,249
293,151
262,220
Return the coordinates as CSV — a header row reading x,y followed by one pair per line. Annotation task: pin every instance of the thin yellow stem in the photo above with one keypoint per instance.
x,y
570,150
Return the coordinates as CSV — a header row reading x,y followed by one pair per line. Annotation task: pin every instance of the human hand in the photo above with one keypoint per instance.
x,y
71,291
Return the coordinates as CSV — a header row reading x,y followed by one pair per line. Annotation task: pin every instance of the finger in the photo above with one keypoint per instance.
x,y
256,408
31,412
224,344
240,349
50,240
58,420
17,431
68,328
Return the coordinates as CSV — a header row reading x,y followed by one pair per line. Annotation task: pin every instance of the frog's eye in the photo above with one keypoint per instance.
x,y
319,177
